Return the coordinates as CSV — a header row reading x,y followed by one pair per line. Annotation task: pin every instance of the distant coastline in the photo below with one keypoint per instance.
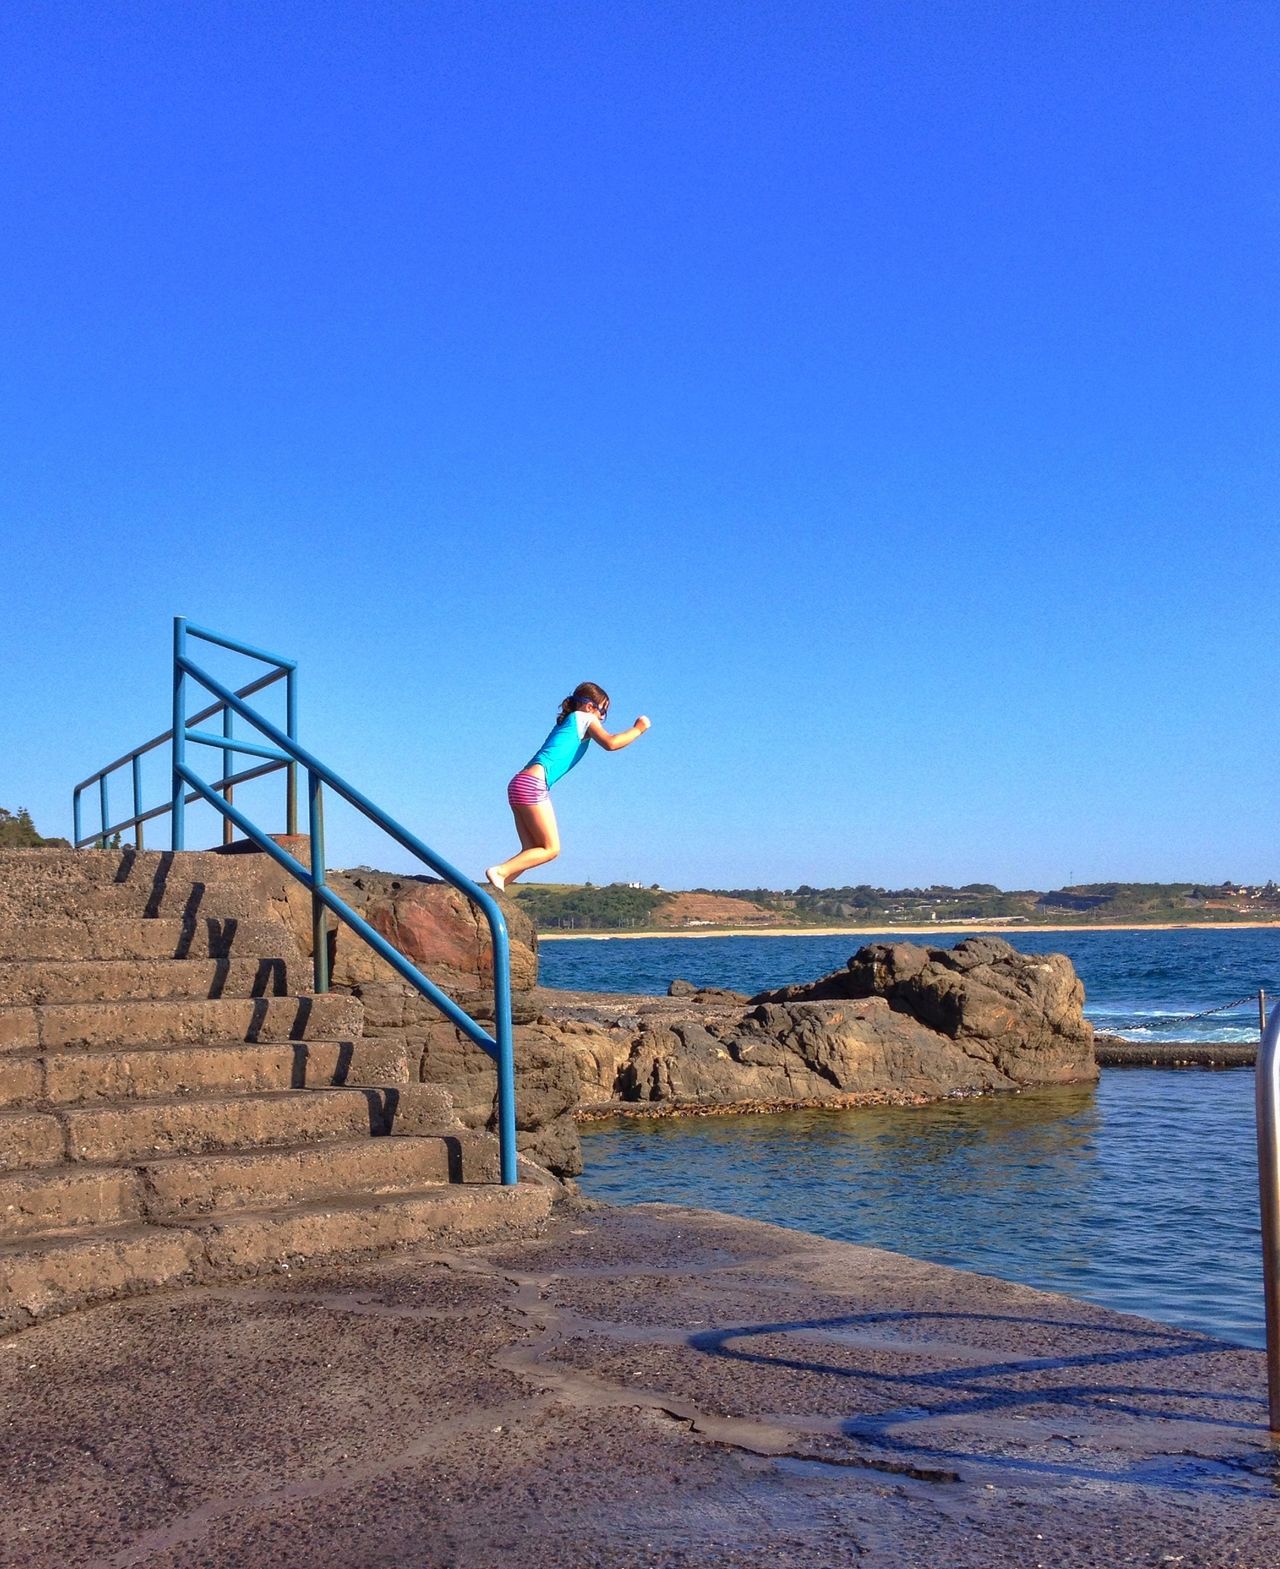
x,y
994,929
630,909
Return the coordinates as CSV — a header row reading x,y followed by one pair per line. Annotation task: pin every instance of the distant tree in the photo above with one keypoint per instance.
x,y
18,832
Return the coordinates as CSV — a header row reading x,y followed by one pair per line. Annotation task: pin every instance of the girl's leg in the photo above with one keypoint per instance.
x,y
539,838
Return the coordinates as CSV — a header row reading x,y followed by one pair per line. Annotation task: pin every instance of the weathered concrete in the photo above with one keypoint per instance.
x,y
137,937
29,1138
27,982
195,885
130,1131
137,1072
52,1274
652,1387
174,1019
259,1179
1115,1052
64,1197
175,1107
67,1196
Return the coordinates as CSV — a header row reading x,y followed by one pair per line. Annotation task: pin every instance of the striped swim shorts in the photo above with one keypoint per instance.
x,y
527,790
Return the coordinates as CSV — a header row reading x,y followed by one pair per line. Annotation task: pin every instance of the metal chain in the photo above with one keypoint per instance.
x,y
1189,1018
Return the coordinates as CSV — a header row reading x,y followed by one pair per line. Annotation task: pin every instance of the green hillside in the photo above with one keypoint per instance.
x,y
619,907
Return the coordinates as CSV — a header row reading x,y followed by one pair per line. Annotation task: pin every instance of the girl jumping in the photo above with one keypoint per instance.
x,y
529,793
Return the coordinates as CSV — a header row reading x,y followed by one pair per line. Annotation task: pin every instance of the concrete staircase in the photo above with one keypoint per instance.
x,y
176,1106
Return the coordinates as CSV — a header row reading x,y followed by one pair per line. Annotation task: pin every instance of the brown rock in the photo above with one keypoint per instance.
x,y
432,924
1023,1013
679,988
899,1022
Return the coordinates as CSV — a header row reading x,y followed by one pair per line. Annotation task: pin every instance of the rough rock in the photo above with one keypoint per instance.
x,y
548,1087
679,988
900,1022
432,924
1022,1013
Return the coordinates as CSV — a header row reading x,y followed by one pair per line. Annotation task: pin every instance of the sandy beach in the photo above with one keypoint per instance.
x,y
910,931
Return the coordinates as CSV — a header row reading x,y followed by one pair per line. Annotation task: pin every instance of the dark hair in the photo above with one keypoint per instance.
x,y
585,692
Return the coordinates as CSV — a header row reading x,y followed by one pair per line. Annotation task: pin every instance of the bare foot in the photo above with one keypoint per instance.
x,y
494,876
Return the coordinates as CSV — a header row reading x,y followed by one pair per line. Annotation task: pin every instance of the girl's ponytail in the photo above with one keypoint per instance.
x,y
585,692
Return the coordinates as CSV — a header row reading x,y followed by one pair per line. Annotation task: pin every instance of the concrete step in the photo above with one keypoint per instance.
x,y
140,937
138,1023
156,882
90,868
29,982
30,1138
188,1186
68,1198
251,1241
42,1277
128,1132
239,1067
181,900
55,1200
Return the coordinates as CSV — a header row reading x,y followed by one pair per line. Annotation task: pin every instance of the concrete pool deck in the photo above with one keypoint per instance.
x,y
648,1386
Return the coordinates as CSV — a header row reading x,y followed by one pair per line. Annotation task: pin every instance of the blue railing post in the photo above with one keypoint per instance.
x,y
77,827
291,730
179,731
137,802
105,810
228,769
319,915
505,1059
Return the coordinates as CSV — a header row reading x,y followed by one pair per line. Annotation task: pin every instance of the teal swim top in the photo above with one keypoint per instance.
x,y
566,745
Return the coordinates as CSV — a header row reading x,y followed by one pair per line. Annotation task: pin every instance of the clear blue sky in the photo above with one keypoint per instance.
x,y
881,396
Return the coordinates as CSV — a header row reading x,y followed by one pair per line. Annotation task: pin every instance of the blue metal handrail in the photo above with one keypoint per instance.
x,y
283,751
284,670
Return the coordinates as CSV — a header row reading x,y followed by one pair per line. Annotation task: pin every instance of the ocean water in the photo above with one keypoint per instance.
x,y
1139,1193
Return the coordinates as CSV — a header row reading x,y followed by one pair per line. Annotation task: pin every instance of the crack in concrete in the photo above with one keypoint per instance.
x,y
768,1439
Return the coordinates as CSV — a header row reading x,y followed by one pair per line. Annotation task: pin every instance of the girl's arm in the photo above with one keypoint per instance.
x,y
615,743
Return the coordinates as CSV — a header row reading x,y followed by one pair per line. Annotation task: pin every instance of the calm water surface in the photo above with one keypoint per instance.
x,y
1140,1194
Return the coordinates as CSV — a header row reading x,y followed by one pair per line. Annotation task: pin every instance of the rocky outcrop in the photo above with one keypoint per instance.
x,y
1022,1013
435,926
900,1022
547,1081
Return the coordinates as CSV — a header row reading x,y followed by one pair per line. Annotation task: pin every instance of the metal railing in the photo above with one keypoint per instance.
x,y
282,670
280,749
1267,1090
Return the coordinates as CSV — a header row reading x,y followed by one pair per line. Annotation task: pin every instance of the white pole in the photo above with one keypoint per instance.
x,y
1268,1104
